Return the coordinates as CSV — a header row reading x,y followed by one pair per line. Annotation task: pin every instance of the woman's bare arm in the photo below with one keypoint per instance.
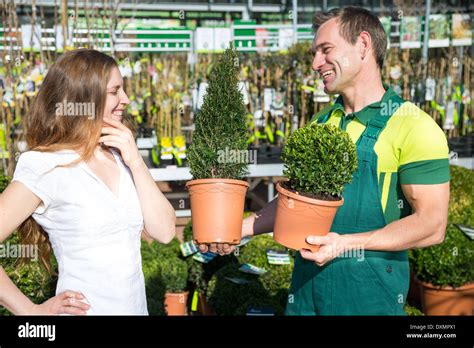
x,y
17,203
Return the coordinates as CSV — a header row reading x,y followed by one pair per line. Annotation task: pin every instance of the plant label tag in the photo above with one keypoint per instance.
x,y
204,257
244,241
468,231
319,94
194,303
278,257
267,98
248,268
449,116
239,281
188,248
430,89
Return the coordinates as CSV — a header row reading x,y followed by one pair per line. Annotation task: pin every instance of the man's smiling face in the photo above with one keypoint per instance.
x,y
337,61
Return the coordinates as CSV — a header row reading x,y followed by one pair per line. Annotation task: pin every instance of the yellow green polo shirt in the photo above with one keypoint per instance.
x,y
411,149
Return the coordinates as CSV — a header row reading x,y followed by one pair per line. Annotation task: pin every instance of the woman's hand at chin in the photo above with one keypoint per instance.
x,y
120,137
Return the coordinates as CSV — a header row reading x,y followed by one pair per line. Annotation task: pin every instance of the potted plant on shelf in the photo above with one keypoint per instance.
x,y
445,275
319,160
216,157
174,274
445,272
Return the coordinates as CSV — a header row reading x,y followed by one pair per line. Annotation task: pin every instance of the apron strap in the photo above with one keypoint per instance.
x,y
375,126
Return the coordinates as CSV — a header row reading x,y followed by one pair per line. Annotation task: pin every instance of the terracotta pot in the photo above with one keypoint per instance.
x,y
298,217
436,300
176,304
217,209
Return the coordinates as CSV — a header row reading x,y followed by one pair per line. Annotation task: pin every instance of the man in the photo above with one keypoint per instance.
x,y
398,198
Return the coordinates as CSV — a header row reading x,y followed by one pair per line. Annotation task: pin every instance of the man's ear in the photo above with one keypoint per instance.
x,y
365,44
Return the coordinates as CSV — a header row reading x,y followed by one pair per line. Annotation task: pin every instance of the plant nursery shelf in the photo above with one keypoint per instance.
x,y
172,173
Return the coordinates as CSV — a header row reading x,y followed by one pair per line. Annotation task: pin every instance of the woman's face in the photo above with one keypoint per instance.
x,y
117,100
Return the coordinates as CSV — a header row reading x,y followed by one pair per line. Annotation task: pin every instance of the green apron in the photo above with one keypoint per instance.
x,y
375,284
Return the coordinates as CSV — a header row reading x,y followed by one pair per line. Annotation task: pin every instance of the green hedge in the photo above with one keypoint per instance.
x,y
277,280
201,273
270,289
31,279
228,298
461,202
174,273
155,290
4,181
160,263
195,269
412,311
451,263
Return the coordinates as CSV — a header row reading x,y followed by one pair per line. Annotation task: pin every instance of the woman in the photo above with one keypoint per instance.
x,y
85,192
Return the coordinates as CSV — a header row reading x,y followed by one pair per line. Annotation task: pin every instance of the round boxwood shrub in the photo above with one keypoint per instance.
x,y
450,263
174,273
319,160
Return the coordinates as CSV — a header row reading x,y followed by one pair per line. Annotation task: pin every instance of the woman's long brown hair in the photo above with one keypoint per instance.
x,y
78,77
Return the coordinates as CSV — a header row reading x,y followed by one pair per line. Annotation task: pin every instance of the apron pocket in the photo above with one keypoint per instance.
x,y
357,290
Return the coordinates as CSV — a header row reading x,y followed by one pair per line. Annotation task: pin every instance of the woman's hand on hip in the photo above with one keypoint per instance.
x,y
67,302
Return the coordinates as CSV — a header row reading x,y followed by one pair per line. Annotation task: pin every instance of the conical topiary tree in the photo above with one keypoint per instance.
x,y
220,126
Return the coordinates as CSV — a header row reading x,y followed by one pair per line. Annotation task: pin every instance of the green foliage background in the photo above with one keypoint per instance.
x,y
31,279
451,263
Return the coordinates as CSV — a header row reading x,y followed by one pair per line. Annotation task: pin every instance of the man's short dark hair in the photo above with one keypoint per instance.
x,y
353,21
